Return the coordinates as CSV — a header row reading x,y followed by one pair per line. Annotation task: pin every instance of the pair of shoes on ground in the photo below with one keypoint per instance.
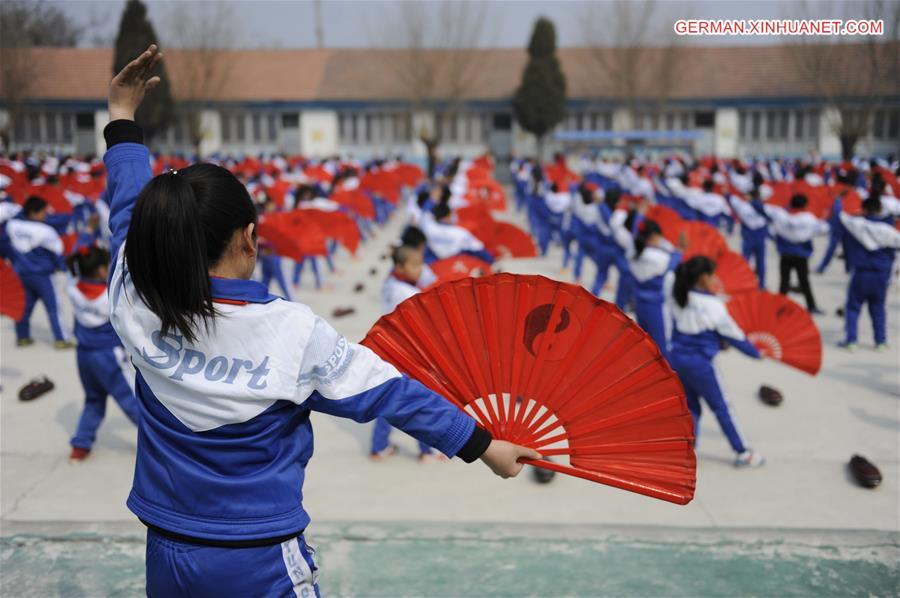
x,y
852,346
64,344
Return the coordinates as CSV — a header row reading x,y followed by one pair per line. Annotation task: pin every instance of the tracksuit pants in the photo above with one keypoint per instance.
x,y
298,270
271,269
651,317
39,286
799,263
381,438
698,376
101,375
867,287
178,569
756,249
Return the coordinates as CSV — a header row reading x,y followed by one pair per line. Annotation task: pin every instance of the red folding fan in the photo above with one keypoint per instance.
x,y
667,219
699,238
734,274
291,235
12,295
459,266
547,365
336,225
779,328
512,240
356,201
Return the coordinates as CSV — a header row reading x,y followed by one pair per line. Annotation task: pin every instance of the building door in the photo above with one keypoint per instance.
x,y
85,135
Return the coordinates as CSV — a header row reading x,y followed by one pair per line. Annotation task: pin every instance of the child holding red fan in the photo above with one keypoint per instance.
x,y
701,324
228,375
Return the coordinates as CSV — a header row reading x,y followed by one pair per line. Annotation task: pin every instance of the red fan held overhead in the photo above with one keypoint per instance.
x,y
12,294
779,328
547,365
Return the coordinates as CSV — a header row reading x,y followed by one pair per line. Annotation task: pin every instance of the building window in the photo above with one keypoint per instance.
x,y
271,127
256,124
240,129
34,127
226,128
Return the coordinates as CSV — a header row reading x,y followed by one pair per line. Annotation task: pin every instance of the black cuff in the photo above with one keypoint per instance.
x,y
476,445
122,131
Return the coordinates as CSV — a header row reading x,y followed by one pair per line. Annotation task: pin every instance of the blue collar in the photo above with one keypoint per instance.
x,y
236,289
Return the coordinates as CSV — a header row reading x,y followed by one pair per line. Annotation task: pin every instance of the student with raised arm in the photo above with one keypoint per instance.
x,y
227,376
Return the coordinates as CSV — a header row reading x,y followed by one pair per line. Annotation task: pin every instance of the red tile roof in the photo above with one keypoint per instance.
x,y
493,74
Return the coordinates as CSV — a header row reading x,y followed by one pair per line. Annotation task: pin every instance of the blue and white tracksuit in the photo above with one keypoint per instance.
x,y
613,246
447,240
394,292
754,232
698,330
103,366
582,228
870,245
654,273
8,211
38,254
224,433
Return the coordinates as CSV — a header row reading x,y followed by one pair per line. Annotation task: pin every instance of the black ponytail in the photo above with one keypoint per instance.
x,y
646,229
687,274
181,225
612,198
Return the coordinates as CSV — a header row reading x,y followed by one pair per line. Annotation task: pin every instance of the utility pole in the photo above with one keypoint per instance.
x,y
320,36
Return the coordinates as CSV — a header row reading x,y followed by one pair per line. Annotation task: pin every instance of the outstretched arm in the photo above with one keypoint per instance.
x,y
127,160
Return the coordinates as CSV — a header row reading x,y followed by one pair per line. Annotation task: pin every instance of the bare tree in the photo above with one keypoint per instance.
x,y
853,75
201,30
634,51
25,25
437,64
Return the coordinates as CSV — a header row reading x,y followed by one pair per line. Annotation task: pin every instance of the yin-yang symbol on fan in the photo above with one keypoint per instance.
x,y
560,334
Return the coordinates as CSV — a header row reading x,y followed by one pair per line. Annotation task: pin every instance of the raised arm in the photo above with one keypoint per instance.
x,y
127,160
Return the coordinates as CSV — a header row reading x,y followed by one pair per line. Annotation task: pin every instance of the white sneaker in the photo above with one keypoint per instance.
x,y
881,347
749,458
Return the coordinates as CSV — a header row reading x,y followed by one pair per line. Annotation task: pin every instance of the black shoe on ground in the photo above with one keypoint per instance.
x,y
866,474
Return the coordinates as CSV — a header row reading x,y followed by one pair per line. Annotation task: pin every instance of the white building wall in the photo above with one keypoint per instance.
x,y
210,132
725,141
318,133
101,119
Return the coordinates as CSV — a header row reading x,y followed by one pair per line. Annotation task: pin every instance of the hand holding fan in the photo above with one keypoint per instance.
x,y
549,366
779,328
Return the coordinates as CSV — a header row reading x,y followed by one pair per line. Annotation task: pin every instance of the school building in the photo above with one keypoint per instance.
x,y
731,101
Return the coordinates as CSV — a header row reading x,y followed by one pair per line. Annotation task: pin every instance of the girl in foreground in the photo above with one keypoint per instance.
x,y
701,324
227,376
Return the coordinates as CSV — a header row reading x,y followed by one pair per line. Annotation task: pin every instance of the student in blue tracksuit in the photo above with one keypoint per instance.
x,y
39,253
611,247
103,367
700,324
227,376
794,231
653,268
401,284
754,232
871,243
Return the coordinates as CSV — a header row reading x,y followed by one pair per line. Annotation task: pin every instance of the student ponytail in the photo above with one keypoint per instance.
x,y
646,229
687,274
181,226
